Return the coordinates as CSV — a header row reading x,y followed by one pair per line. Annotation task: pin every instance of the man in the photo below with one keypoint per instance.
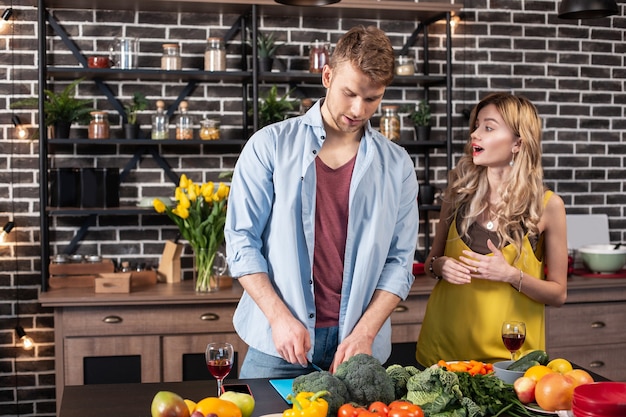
x,y
322,224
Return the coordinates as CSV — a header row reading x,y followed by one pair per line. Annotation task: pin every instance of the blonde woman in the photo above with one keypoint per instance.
x,y
499,226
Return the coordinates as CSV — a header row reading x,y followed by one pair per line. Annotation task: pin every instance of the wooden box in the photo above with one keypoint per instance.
x,y
113,283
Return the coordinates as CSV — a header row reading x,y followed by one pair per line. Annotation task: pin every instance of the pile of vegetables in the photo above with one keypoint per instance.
x,y
361,380
438,391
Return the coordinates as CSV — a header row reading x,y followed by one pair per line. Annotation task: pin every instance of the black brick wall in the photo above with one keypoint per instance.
x,y
574,72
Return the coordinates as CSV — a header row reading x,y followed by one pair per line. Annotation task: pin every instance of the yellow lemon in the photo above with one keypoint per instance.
x,y
537,372
191,405
560,365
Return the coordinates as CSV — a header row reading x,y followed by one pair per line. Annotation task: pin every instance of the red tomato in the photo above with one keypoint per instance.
x,y
379,407
401,408
349,410
366,413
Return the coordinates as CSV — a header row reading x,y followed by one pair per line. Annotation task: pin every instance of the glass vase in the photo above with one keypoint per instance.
x,y
208,266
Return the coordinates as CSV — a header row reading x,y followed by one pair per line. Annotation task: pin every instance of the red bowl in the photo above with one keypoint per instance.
x,y
601,398
98,62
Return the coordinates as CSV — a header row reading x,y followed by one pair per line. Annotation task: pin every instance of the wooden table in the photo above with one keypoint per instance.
x,y
134,400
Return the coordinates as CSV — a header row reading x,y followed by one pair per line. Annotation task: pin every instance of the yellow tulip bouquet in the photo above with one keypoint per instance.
x,y
200,214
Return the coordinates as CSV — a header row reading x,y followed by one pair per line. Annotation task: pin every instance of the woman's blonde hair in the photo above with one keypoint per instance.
x,y
521,194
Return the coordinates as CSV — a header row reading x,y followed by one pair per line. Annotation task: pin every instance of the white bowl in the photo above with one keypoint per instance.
x,y
499,368
603,258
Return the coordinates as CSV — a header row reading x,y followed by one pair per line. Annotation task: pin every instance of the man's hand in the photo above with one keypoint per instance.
x,y
291,339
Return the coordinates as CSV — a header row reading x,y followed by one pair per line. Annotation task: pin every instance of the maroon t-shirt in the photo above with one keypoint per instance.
x,y
331,228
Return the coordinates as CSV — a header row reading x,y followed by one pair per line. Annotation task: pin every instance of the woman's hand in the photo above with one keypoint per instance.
x,y
490,267
454,271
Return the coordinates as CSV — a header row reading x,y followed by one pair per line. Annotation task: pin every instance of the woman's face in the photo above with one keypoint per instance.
x,y
493,142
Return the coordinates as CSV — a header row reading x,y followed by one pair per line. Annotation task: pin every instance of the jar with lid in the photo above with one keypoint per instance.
x,y
184,123
170,60
209,129
99,125
159,122
215,55
405,65
319,55
390,123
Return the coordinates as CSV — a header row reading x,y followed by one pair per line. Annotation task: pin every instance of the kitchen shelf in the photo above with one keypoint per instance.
x,y
148,74
243,13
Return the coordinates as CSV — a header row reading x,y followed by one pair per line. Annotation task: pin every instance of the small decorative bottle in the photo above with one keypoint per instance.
x,y
318,56
390,123
171,57
159,122
209,129
184,124
215,55
99,125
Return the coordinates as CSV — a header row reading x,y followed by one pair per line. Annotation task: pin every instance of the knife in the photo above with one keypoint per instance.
x,y
317,368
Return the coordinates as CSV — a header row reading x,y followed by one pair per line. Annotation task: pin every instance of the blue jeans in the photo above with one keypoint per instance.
x,y
261,365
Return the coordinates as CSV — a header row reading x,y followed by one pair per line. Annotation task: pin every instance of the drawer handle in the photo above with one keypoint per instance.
x,y
209,317
597,325
596,364
400,309
112,319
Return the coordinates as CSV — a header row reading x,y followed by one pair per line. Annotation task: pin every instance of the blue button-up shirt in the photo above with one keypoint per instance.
x,y
270,226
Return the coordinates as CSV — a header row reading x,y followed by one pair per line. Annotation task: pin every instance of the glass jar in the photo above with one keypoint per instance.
x,y
390,123
318,56
99,125
170,60
159,122
184,124
405,65
215,55
209,129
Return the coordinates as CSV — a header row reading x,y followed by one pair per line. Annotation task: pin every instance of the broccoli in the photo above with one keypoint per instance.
x,y
323,380
399,376
366,379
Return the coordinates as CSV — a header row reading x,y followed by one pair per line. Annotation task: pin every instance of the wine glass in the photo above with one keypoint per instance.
x,y
219,361
513,336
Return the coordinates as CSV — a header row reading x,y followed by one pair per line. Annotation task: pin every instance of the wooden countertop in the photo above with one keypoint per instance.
x,y
580,289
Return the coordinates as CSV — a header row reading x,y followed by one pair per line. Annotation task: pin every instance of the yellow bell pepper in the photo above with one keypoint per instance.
x,y
307,404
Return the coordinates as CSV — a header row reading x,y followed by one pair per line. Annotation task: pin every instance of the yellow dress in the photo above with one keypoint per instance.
x,y
463,322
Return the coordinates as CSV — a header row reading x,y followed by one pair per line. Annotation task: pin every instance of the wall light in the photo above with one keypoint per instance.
x,y
587,9
27,342
6,230
20,129
4,22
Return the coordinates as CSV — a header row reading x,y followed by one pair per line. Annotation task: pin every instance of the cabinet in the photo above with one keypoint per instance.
x,y
589,329
243,14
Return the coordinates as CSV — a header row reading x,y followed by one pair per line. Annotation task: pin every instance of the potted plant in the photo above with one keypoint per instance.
x,y
273,109
61,109
137,103
266,48
421,117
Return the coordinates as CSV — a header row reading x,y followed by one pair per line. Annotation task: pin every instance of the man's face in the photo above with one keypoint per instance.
x,y
351,97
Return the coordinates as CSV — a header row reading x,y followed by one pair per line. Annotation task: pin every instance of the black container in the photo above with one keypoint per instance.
x,y
64,187
99,187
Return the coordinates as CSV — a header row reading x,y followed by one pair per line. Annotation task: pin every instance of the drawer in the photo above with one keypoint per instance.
x,y
605,360
586,324
147,320
411,310
405,333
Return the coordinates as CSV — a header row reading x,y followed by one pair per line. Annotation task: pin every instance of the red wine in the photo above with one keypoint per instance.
x,y
219,368
513,341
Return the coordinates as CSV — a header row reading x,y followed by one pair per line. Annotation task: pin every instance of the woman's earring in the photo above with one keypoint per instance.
x,y
512,161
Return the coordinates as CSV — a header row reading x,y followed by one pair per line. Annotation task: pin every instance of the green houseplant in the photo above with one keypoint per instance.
x,y
136,104
421,118
61,109
273,109
266,48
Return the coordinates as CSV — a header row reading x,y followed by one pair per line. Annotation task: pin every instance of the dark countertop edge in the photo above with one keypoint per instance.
x,y
579,290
